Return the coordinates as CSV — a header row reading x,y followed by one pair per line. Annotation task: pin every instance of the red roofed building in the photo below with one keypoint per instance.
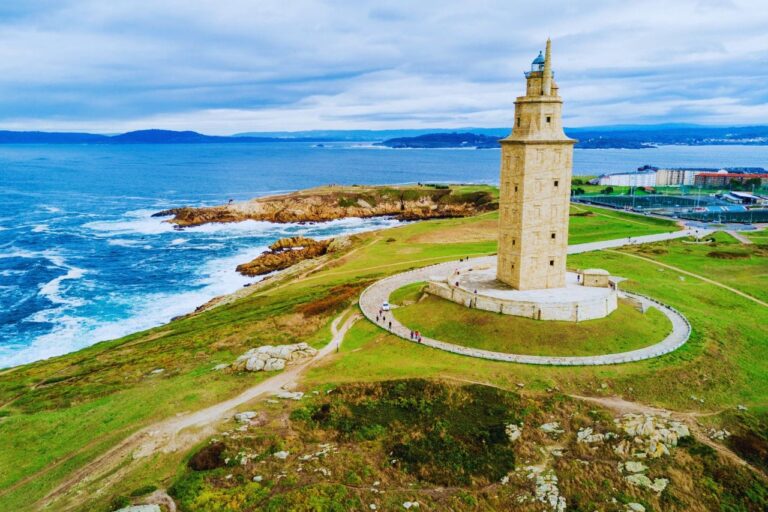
x,y
723,179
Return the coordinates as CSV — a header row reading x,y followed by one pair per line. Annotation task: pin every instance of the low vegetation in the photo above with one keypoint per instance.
x,y
58,415
392,444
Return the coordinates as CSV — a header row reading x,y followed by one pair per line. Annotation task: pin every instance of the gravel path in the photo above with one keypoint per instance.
x,y
178,432
379,292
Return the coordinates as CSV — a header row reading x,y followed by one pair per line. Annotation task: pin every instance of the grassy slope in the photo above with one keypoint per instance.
x,y
715,261
90,399
724,362
759,236
626,329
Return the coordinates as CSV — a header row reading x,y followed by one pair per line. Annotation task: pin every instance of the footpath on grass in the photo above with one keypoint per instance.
x,y
181,432
372,298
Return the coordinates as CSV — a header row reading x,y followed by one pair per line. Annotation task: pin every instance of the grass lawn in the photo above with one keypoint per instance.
x,y
69,409
759,236
724,362
716,261
625,329
591,224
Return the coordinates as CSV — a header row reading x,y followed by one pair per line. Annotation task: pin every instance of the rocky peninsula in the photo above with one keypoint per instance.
x,y
336,202
285,253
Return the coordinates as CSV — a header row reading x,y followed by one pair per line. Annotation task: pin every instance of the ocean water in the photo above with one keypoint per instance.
x,y
82,260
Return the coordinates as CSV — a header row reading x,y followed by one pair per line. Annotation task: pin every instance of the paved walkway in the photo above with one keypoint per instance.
x,y
379,292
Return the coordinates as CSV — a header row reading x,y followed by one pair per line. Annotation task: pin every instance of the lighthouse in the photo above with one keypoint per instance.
x,y
536,162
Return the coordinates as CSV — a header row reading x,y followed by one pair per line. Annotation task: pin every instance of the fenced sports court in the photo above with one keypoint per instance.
x,y
705,208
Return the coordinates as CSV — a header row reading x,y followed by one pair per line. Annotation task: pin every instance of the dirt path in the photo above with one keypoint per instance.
x,y
178,433
621,406
741,238
697,276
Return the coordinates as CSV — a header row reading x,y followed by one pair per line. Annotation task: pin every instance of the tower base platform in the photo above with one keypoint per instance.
x,y
479,288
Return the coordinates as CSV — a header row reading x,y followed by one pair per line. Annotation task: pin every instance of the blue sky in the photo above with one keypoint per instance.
x,y
228,66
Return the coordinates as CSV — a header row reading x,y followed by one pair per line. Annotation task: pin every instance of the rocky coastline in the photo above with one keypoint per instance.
x,y
336,202
285,253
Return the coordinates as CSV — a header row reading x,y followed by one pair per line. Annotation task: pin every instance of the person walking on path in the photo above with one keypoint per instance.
x,y
390,325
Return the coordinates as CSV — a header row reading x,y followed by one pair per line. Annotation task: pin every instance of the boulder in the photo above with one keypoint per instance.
x,y
635,467
245,416
657,485
254,364
551,428
513,432
290,395
272,358
273,364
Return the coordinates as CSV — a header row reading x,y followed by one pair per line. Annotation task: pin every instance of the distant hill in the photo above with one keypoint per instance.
x,y
687,135
374,135
621,137
136,137
443,140
8,137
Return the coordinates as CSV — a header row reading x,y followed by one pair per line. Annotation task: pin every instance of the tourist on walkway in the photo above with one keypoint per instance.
x,y
390,325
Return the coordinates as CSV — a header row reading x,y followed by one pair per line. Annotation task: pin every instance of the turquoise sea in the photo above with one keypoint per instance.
x,y
82,260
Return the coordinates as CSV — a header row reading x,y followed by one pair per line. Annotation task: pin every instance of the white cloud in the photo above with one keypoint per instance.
x,y
226,66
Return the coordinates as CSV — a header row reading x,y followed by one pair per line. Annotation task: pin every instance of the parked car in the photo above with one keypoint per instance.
x,y
385,306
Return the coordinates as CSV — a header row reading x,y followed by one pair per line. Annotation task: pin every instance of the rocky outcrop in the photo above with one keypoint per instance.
x,y
652,436
269,358
330,203
141,508
285,253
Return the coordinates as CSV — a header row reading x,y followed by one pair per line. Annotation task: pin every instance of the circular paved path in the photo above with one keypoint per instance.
x,y
379,292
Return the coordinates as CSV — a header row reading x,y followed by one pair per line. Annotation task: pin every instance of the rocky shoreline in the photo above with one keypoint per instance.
x,y
336,202
285,253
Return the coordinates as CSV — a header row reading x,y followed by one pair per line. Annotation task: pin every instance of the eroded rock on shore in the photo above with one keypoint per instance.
x,y
285,253
335,202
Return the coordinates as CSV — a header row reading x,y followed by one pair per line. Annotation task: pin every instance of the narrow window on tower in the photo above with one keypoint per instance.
x,y
513,241
553,236
518,122
551,263
549,119
557,183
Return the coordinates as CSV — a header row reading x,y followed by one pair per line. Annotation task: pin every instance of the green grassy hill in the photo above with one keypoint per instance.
x,y
57,416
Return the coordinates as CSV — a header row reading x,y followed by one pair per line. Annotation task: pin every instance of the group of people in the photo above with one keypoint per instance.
x,y
383,319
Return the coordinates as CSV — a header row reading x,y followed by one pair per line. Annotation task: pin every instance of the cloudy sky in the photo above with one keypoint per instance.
x,y
227,66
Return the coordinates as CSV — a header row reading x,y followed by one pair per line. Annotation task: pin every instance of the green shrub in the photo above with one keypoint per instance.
x,y
144,490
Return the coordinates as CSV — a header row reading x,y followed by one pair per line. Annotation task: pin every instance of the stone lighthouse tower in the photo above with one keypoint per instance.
x,y
536,161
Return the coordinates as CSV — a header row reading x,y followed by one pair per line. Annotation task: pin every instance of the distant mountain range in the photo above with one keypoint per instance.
x,y
620,136
137,137
373,135
443,140
616,137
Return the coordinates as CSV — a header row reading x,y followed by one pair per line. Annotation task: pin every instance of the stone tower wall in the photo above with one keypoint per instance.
x,y
536,162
